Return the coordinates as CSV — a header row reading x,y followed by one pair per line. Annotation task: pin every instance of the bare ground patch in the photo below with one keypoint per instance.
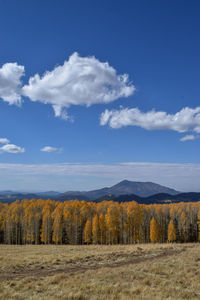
x,y
118,272
93,262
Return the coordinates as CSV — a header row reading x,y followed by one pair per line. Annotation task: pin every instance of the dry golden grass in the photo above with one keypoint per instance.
x,y
160,271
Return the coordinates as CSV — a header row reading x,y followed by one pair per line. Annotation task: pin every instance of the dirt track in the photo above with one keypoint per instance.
x,y
126,259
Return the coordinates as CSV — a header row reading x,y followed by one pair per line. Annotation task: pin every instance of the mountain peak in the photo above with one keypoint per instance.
x,y
142,189
125,187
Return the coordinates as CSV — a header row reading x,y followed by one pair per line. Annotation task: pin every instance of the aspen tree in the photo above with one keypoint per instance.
x,y
171,232
88,232
102,227
76,208
57,224
184,232
75,222
46,230
134,221
112,224
95,230
198,225
154,231
87,211
68,223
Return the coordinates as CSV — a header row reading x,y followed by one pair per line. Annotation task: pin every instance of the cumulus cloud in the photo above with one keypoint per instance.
x,y
79,81
188,137
10,83
4,141
187,119
11,148
50,149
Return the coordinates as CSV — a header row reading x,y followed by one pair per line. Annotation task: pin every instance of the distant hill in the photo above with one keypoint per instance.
x,y
125,187
11,197
48,194
154,199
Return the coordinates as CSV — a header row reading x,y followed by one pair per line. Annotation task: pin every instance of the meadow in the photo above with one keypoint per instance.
x,y
138,271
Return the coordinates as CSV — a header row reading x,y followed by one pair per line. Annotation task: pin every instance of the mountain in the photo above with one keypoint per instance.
x,y
142,189
48,194
154,199
4,193
11,197
161,198
125,187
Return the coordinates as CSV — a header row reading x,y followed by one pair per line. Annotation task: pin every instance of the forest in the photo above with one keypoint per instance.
x,y
39,221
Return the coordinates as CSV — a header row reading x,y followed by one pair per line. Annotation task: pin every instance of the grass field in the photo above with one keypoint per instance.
x,y
160,271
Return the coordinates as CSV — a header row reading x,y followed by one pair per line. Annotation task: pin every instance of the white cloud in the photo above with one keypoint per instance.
x,y
187,119
188,137
10,83
4,141
50,149
79,81
10,148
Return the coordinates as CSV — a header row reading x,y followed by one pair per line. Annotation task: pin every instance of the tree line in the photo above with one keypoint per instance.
x,y
39,221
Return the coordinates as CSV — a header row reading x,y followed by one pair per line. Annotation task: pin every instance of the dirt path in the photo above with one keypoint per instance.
x,y
42,272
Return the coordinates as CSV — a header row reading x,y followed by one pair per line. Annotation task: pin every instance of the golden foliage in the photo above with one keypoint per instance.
x,y
78,222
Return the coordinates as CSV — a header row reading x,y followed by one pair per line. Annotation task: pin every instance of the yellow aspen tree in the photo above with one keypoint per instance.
x,y
87,211
184,227
154,231
88,232
162,224
198,224
102,227
95,230
78,222
46,229
17,220
8,227
122,224
33,216
57,224
68,223
76,208
171,232
134,222
1,215
25,204
29,219
2,221
112,224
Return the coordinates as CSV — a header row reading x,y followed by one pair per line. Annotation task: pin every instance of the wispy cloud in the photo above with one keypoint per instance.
x,y
183,177
189,137
187,119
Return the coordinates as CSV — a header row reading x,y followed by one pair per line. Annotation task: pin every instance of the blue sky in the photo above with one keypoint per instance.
x,y
82,124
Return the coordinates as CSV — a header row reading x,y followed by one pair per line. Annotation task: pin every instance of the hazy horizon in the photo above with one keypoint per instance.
x,y
82,177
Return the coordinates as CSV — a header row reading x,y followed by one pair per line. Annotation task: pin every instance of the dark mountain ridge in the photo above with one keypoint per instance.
x,y
161,198
154,199
125,187
142,192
